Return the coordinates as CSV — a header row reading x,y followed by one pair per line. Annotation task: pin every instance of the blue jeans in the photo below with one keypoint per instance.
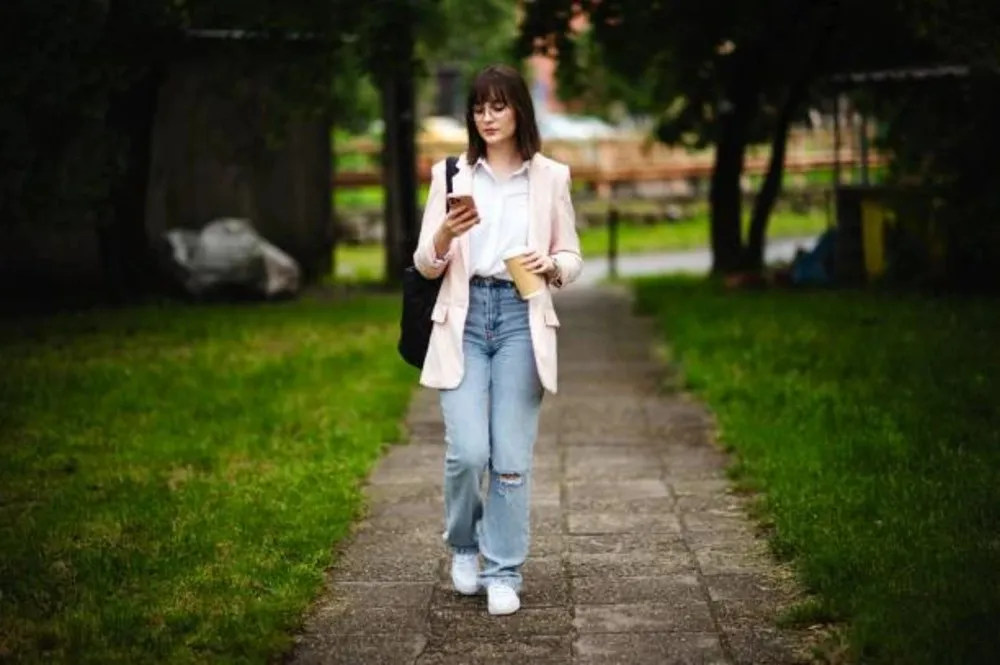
x,y
491,422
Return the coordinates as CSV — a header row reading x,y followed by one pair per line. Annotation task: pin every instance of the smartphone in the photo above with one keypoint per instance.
x,y
461,201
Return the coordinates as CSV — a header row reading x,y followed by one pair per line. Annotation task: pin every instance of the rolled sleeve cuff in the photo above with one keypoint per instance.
x,y
429,263
440,262
567,269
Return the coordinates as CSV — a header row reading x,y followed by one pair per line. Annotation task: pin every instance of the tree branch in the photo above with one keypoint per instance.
x,y
771,187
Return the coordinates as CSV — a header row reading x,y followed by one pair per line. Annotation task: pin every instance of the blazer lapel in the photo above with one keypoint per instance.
x,y
462,184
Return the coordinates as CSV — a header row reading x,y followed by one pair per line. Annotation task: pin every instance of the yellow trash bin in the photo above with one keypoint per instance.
x,y
873,221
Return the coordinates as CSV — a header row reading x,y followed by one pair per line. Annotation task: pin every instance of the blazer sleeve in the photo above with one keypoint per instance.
x,y
565,247
425,258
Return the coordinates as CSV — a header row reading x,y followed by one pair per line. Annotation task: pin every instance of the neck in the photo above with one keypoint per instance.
x,y
503,155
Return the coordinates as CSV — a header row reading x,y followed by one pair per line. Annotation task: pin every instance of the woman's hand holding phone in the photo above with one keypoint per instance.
x,y
462,216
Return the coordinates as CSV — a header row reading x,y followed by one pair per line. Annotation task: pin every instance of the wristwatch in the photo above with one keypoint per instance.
x,y
556,277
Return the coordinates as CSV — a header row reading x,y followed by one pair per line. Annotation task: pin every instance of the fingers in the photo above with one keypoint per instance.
x,y
466,220
469,217
530,263
460,220
535,262
462,215
537,268
459,229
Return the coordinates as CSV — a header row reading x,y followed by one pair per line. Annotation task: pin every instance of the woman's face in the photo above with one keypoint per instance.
x,y
495,121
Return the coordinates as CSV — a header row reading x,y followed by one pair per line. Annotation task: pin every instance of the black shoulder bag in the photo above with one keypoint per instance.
x,y
419,296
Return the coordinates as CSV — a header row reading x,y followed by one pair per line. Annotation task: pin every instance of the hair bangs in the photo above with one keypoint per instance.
x,y
487,89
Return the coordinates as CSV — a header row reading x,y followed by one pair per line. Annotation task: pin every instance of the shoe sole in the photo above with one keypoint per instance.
x,y
466,590
503,614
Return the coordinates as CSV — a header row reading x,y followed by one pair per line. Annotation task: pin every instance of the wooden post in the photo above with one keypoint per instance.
x,y
836,140
864,148
402,228
332,232
832,204
447,102
613,242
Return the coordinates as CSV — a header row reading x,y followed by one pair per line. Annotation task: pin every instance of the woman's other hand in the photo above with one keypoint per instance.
x,y
538,263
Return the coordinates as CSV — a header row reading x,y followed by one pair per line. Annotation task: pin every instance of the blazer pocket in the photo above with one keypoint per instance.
x,y
440,313
551,319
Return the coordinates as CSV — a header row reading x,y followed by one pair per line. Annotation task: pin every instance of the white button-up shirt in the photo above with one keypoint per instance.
x,y
503,219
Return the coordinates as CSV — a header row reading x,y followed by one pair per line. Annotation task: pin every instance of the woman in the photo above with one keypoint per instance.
x,y
492,354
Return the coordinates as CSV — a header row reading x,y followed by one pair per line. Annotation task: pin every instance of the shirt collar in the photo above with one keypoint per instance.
x,y
481,163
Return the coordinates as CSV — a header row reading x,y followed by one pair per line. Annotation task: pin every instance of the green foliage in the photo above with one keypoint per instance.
x,y
173,477
945,141
469,37
944,137
61,154
447,34
869,422
687,62
58,72
723,73
62,64
356,103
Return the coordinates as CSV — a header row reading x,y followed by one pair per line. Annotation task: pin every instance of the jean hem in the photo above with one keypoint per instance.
x,y
514,583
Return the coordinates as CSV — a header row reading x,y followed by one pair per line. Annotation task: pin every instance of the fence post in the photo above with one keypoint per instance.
x,y
863,131
613,242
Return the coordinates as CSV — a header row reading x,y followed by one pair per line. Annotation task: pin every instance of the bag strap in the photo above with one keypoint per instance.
x,y
450,169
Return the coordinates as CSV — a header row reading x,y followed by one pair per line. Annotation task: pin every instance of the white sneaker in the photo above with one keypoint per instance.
x,y
502,599
465,573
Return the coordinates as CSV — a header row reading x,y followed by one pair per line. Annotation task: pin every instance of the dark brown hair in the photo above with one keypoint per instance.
x,y
504,84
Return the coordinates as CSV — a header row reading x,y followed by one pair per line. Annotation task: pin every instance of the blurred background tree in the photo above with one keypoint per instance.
x,y
721,73
82,79
944,138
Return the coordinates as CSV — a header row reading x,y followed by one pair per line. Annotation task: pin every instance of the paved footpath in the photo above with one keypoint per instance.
x,y
640,554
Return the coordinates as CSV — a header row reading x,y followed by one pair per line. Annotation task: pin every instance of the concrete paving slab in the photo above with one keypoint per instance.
x,y
641,553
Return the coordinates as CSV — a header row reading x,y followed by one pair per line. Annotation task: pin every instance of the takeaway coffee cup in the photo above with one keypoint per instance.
x,y
528,284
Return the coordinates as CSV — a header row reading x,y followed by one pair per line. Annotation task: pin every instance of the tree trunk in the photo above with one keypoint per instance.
x,y
126,253
771,188
402,227
764,201
125,247
333,229
725,197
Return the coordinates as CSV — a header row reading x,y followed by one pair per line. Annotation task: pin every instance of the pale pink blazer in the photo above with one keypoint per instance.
x,y
552,229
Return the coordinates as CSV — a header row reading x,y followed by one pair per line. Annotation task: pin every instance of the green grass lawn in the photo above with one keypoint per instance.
x,y
373,196
366,262
870,423
370,197
359,263
173,477
690,234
